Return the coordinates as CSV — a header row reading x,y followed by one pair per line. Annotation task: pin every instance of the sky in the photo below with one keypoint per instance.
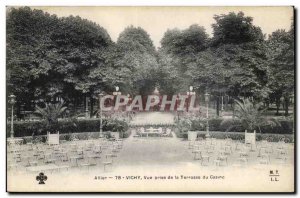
x,y
156,20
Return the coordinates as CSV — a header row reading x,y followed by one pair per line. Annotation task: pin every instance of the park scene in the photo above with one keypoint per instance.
x,y
82,104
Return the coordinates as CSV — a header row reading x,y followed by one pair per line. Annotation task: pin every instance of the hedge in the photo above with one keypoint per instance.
x,y
67,126
225,125
241,136
68,136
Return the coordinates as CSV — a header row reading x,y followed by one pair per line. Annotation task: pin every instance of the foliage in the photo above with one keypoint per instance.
x,y
235,28
116,125
186,42
251,115
135,57
281,66
73,58
228,125
241,136
67,126
49,56
184,125
50,114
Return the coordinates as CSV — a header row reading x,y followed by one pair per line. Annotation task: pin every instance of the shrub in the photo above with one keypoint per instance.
x,y
67,126
234,125
241,136
214,124
285,126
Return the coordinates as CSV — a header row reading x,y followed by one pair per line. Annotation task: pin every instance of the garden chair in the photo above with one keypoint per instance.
x,y
204,157
244,152
197,154
94,156
74,160
32,161
228,149
210,150
63,156
12,165
264,158
108,161
221,158
97,149
281,153
243,161
84,163
25,160
41,155
238,145
196,146
49,158
262,150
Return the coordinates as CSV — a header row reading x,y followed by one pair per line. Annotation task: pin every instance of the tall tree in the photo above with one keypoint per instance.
x,y
50,56
135,54
235,29
179,48
282,66
27,31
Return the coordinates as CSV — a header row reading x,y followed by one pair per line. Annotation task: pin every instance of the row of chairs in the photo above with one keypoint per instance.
x,y
219,151
68,155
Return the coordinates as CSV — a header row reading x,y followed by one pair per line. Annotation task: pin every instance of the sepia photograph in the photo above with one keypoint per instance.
x,y
150,99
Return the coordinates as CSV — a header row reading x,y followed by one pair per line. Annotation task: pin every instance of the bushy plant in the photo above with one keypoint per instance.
x,y
214,124
234,125
250,115
116,125
184,125
50,114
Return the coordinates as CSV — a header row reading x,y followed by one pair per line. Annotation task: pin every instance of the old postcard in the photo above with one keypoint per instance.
x,y
150,99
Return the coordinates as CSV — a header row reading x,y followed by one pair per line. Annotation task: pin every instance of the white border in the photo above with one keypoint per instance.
x,y
4,3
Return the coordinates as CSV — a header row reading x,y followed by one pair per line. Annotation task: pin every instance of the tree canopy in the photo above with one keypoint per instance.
x,y
72,58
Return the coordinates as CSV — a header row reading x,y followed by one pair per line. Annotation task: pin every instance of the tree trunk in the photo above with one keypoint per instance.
x,y
277,106
226,103
75,106
86,106
218,106
92,106
286,105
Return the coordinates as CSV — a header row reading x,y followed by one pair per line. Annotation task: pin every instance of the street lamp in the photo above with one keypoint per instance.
x,y
100,114
12,101
222,105
207,125
117,92
190,93
129,102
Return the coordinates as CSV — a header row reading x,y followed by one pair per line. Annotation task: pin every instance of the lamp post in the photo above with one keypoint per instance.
x,y
129,102
86,107
207,125
115,93
190,93
100,114
222,106
12,101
